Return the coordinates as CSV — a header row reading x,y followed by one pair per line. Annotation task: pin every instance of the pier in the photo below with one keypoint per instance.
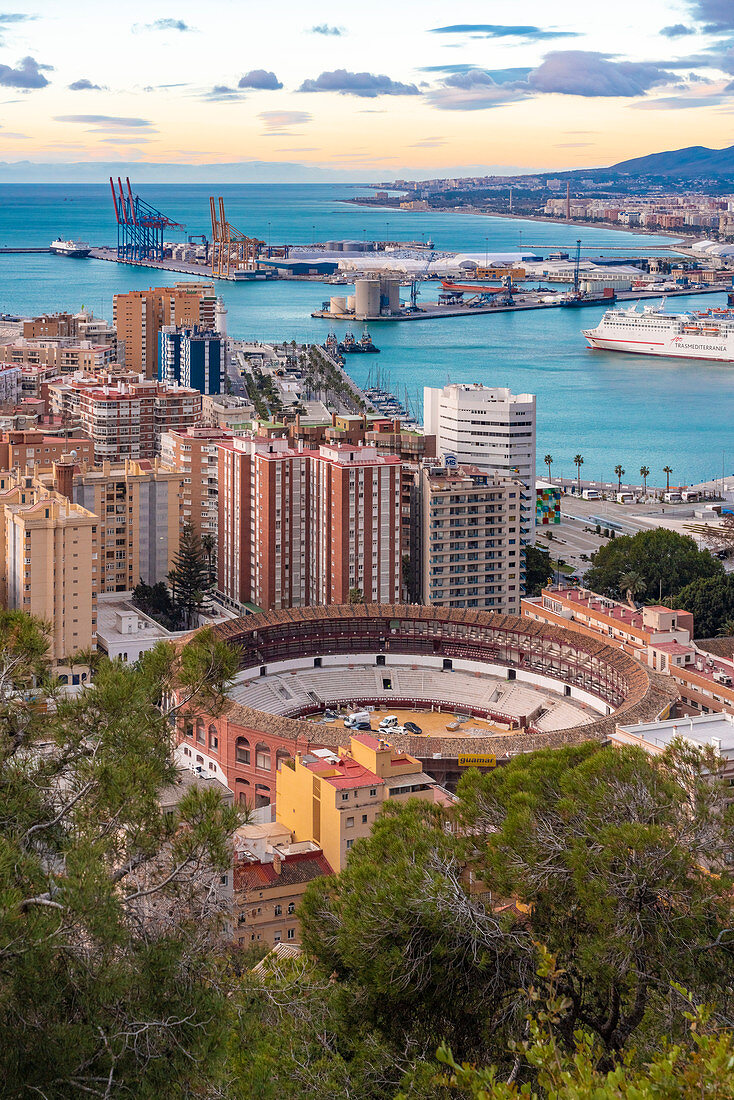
x,y
21,251
433,310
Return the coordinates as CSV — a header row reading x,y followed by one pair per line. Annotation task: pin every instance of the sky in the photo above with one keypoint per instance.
x,y
293,91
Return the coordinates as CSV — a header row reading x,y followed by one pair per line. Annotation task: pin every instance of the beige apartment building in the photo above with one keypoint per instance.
x,y
49,565
35,447
195,454
139,315
468,539
62,357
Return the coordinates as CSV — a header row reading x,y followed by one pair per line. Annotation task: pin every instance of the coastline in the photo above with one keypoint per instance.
x,y
636,231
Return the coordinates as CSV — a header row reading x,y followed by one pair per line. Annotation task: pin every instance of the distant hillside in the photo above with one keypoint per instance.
x,y
692,163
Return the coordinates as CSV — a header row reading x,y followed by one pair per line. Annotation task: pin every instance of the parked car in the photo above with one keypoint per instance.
x,y
411,727
389,722
364,726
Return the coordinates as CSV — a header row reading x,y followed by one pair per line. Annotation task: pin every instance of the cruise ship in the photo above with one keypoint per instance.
x,y
653,331
76,249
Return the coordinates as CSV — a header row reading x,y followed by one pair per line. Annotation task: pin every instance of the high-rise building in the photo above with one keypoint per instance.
x,y
192,357
63,356
124,415
71,328
194,453
468,539
49,565
139,316
301,527
490,428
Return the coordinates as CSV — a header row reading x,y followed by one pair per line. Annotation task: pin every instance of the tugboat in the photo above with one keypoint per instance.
x,y
351,346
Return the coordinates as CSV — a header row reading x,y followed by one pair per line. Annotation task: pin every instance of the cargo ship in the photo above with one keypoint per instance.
x,y
576,299
652,331
75,249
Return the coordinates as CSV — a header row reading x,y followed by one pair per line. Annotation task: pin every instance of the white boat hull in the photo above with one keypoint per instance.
x,y
715,354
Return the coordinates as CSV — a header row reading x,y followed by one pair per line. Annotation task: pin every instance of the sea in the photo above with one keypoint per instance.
x,y
610,408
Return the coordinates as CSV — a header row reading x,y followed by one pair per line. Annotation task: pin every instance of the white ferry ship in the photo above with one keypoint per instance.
x,y
652,331
75,249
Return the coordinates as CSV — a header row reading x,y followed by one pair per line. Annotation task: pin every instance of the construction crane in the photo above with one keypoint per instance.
x,y
139,225
415,283
231,250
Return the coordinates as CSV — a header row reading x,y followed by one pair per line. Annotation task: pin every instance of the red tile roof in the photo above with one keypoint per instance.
x,y
295,870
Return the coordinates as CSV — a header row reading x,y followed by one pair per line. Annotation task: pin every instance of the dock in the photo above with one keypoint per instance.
x,y
432,310
22,251
203,271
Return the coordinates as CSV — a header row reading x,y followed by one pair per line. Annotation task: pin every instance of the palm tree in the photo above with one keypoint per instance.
x,y
549,462
578,463
632,584
644,474
667,470
619,470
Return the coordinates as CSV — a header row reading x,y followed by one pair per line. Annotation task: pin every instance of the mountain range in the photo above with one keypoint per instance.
x,y
694,162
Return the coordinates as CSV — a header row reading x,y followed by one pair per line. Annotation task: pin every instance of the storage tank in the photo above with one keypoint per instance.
x,y
337,305
367,298
389,295
350,303
333,246
352,246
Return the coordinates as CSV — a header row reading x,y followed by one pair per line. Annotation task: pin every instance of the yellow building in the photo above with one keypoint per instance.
x,y
333,800
49,565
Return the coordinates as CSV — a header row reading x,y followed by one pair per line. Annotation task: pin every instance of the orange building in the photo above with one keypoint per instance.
x,y
139,315
36,448
194,453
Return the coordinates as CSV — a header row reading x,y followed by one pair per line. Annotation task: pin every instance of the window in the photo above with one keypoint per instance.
x,y
200,733
242,750
277,937
291,907
278,910
291,933
364,819
350,822
350,844
262,756
373,792
345,796
213,738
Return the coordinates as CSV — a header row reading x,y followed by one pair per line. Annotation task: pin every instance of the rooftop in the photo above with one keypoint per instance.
x,y
700,730
343,773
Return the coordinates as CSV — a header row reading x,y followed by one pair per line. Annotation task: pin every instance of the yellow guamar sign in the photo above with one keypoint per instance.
x,y
477,760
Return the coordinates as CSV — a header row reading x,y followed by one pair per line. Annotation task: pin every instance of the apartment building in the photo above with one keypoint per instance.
x,y
635,631
123,415
271,873
468,533
490,428
139,316
35,447
301,527
49,565
61,356
71,328
10,374
192,357
334,799
194,453
227,411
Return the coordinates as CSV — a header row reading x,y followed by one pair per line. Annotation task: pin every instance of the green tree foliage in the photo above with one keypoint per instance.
x,y
538,570
155,600
607,848
700,1067
663,560
106,920
711,602
190,577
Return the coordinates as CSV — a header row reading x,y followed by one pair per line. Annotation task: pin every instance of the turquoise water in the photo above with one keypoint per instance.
x,y
611,408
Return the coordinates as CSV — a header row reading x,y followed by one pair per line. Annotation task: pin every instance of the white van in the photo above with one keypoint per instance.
x,y
388,722
591,494
625,498
353,720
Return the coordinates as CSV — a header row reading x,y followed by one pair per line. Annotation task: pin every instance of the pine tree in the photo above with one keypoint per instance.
x,y
190,578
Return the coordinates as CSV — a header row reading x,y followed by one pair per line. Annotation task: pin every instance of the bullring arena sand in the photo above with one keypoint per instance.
x,y
433,723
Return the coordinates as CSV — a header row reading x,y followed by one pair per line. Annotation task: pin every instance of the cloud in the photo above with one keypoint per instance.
x,y
329,32
590,74
677,30
117,140
277,120
676,102
28,74
84,85
168,25
429,143
574,145
222,93
474,91
260,78
495,30
106,122
365,85
299,149
715,15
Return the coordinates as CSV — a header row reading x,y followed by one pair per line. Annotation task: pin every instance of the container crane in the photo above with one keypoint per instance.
x,y
139,225
415,283
231,250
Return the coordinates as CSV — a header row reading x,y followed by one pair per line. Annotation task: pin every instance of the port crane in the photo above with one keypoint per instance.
x,y
415,283
577,268
231,250
139,225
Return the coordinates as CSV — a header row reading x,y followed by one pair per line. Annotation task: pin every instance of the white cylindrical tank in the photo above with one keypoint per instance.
x,y
367,298
389,295
337,305
350,303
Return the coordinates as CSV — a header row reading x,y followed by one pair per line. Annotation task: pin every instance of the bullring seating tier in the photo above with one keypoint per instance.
x,y
293,693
